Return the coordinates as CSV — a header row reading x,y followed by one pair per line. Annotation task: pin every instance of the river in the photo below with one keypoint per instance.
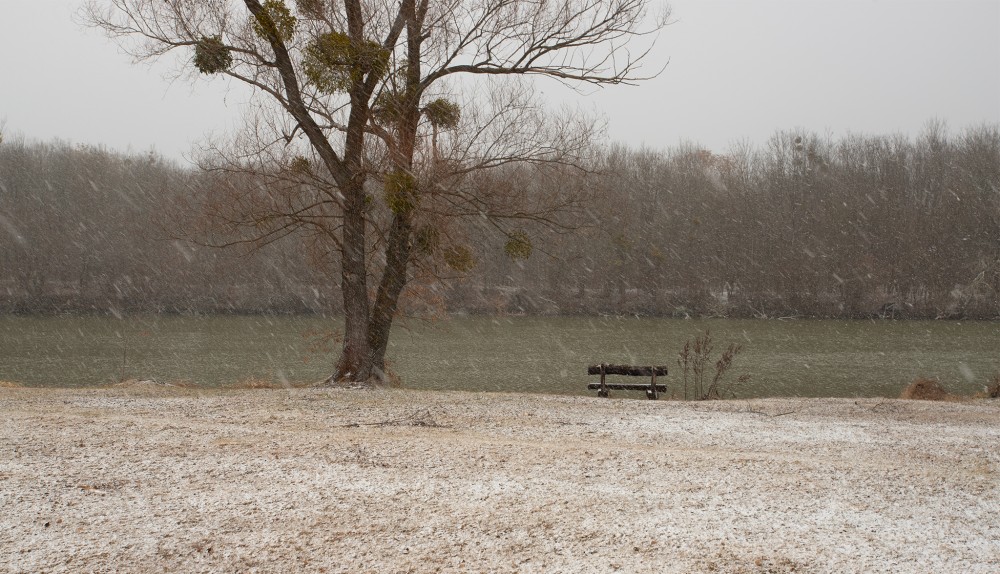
x,y
812,358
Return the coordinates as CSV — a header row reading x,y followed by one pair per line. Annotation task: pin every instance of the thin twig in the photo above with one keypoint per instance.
x,y
761,412
421,418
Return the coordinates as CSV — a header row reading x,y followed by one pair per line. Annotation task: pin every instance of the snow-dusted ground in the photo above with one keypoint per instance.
x,y
154,479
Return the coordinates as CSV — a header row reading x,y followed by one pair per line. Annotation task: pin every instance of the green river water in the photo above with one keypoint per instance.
x,y
814,358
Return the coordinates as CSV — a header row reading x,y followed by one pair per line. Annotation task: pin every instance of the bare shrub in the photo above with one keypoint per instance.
x,y
923,389
694,360
993,389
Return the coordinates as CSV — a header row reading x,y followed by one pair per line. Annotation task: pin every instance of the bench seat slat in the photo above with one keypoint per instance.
x,y
626,387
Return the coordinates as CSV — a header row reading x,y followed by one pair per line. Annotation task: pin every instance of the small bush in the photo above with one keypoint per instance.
x,y
694,360
993,389
923,389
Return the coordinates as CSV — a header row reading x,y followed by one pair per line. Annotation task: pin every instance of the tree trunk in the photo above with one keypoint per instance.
x,y
398,247
394,279
354,363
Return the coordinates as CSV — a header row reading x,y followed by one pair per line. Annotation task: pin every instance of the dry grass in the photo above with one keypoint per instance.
x,y
255,382
133,384
9,385
923,389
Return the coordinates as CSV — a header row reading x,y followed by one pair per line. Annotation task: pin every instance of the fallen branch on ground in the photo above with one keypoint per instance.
x,y
761,412
420,418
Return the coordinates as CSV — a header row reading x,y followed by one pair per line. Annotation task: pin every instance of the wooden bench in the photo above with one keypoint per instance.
x,y
603,388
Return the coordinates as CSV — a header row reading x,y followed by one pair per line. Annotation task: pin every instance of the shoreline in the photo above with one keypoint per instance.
x,y
144,479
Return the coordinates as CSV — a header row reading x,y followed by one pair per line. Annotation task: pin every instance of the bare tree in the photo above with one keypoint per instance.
x,y
403,98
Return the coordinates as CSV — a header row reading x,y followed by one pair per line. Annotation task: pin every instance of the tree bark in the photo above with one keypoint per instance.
x,y
354,363
399,246
394,279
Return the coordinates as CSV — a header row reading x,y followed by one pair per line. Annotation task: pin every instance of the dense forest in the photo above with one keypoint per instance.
x,y
806,226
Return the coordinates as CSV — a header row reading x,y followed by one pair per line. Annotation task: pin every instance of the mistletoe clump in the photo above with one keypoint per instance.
x,y
427,239
211,56
459,258
400,192
518,245
311,8
388,107
300,165
275,21
442,113
334,63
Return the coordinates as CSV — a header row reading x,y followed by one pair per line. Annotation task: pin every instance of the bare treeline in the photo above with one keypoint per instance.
x,y
804,226
85,229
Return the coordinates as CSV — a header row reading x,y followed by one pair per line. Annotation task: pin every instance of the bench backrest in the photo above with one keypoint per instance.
x,y
628,370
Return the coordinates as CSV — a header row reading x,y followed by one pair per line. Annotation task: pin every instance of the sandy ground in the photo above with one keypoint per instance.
x,y
159,479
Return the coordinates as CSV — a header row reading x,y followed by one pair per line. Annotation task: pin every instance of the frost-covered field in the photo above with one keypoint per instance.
x,y
158,479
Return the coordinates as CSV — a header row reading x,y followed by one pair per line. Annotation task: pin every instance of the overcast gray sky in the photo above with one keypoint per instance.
x,y
738,70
